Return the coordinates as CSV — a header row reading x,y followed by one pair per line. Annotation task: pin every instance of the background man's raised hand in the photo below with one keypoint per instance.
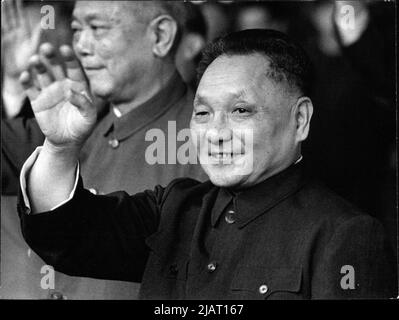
x,y
20,38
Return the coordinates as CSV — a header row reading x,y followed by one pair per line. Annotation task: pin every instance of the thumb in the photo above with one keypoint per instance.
x,y
84,103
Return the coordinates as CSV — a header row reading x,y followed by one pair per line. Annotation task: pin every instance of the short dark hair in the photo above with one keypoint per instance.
x,y
288,61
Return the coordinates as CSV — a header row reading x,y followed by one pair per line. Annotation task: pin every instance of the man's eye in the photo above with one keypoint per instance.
x,y
75,28
201,116
76,33
241,111
201,113
98,30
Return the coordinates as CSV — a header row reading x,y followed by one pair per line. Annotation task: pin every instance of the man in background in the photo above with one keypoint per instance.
x,y
127,52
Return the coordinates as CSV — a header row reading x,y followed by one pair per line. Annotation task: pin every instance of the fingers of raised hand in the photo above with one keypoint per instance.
x,y
8,16
57,92
13,16
47,79
43,75
82,101
44,99
21,17
46,66
27,83
49,55
73,69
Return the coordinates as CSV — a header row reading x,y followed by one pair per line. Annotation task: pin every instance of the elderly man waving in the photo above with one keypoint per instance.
x,y
258,229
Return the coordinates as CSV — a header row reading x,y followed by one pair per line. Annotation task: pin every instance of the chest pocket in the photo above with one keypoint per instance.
x,y
254,282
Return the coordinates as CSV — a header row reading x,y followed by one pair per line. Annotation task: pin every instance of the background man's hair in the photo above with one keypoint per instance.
x,y
287,60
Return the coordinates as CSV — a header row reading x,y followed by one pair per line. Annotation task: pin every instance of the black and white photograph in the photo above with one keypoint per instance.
x,y
216,151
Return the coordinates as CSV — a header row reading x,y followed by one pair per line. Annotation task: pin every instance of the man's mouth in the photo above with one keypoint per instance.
x,y
223,156
92,72
92,68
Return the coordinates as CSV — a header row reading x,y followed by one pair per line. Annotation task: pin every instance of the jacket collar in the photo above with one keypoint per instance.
x,y
254,201
125,126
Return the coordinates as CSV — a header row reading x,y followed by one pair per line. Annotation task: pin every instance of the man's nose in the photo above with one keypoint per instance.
x,y
219,131
84,44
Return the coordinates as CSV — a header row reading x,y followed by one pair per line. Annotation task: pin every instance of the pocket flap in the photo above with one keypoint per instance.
x,y
265,282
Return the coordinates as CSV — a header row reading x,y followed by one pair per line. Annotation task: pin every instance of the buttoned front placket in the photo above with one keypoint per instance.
x,y
212,245
222,235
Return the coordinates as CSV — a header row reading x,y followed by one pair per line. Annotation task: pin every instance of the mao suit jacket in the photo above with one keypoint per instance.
x,y
289,238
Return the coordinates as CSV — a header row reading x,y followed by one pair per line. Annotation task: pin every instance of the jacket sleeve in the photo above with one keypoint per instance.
x,y
19,138
356,264
95,236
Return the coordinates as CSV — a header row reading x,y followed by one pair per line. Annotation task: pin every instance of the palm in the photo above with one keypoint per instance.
x,y
62,122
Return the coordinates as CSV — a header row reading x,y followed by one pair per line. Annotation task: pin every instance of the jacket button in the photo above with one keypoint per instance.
x,y
211,266
114,143
57,296
230,217
263,289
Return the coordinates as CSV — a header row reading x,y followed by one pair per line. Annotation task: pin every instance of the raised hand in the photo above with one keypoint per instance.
x,y
19,39
62,104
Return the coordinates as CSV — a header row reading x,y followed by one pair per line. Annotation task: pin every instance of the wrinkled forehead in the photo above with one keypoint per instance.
x,y
248,68
235,74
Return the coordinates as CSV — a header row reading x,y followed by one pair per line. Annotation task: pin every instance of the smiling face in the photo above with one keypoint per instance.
x,y
244,125
112,46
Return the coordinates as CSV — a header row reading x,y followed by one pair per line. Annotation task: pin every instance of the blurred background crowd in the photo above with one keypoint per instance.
x,y
352,145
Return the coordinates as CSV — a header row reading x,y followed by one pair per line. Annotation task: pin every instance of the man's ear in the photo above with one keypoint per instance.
x,y
164,30
303,115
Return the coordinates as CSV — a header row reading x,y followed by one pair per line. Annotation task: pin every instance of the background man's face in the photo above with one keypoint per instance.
x,y
236,96
111,44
